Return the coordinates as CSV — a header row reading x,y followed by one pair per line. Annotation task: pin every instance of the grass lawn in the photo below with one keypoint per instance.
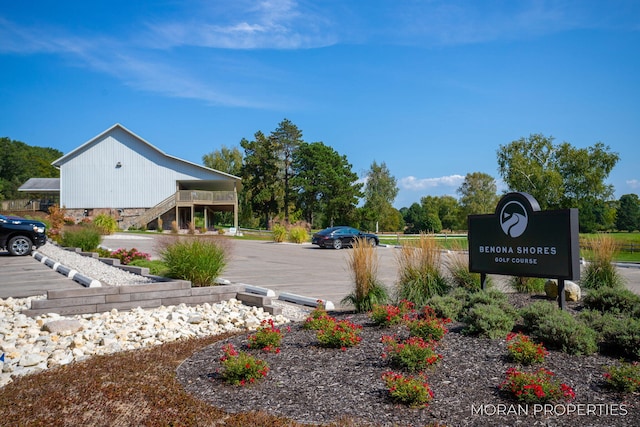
x,y
628,242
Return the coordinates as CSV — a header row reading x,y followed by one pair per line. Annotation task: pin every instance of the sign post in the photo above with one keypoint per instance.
x,y
521,240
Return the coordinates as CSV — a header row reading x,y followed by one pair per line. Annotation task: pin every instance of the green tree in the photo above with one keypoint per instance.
x,y
628,213
391,219
20,161
325,184
557,176
419,219
288,139
477,194
415,218
584,171
529,165
228,160
380,191
562,176
260,176
431,209
449,212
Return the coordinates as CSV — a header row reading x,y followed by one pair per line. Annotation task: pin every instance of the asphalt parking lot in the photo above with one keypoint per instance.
x,y
304,270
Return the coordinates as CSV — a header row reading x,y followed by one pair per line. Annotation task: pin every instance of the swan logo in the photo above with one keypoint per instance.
x,y
513,219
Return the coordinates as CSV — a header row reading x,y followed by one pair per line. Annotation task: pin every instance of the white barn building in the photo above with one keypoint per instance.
x,y
119,173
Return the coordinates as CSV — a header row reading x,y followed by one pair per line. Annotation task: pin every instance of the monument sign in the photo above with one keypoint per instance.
x,y
521,240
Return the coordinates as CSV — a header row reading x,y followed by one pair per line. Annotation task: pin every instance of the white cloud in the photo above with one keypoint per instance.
x,y
633,183
274,24
412,183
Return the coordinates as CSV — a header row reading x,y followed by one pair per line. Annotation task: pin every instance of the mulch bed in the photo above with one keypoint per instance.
x,y
314,385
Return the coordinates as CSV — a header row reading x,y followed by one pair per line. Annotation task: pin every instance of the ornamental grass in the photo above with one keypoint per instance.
x,y
600,271
419,271
197,259
363,264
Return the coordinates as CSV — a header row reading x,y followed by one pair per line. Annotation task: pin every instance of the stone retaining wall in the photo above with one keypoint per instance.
x,y
164,292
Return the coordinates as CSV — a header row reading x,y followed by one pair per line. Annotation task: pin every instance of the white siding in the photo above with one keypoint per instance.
x,y
91,179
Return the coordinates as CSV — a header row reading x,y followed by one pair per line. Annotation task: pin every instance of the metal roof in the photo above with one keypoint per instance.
x,y
57,163
41,185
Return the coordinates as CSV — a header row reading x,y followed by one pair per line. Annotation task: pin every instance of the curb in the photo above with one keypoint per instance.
x,y
85,281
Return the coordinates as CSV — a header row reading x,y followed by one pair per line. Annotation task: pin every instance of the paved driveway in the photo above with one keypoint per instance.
x,y
298,269
23,276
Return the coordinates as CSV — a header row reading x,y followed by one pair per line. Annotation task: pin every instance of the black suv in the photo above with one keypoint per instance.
x,y
19,235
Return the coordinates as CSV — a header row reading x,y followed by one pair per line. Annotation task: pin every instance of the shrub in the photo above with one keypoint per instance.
x,y
446,306
128,256
174,227
408,390
420,276
279,233
199,260
240,368
86,238
413,354
268,337
527,285
428,327
613,300
600,270
558,329
522,350
538,387
160,224
156,267
413,391
488,320
339,334
624,377
458,266
298,235
318,319
621,335
386,315
363,263
106,224
490,297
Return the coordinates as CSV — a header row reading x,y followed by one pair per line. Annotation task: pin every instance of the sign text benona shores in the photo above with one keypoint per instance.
x,y
521,240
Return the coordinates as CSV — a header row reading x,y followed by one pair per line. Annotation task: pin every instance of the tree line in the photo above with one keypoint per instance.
x,y
19,162
286,179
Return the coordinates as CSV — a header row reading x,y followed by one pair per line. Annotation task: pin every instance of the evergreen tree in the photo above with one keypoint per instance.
x,y
628,213
260,176
325,184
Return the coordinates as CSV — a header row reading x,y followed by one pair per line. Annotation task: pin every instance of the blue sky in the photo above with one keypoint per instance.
x,y
432,88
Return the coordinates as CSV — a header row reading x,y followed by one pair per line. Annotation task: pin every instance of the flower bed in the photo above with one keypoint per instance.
x,y
314,384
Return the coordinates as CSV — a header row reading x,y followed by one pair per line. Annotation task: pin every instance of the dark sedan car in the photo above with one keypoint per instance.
x,y
341,236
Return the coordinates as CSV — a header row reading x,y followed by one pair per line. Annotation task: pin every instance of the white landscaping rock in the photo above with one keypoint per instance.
x,y
33,344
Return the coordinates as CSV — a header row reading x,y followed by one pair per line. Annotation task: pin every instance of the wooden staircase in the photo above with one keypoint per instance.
x,y
156,211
